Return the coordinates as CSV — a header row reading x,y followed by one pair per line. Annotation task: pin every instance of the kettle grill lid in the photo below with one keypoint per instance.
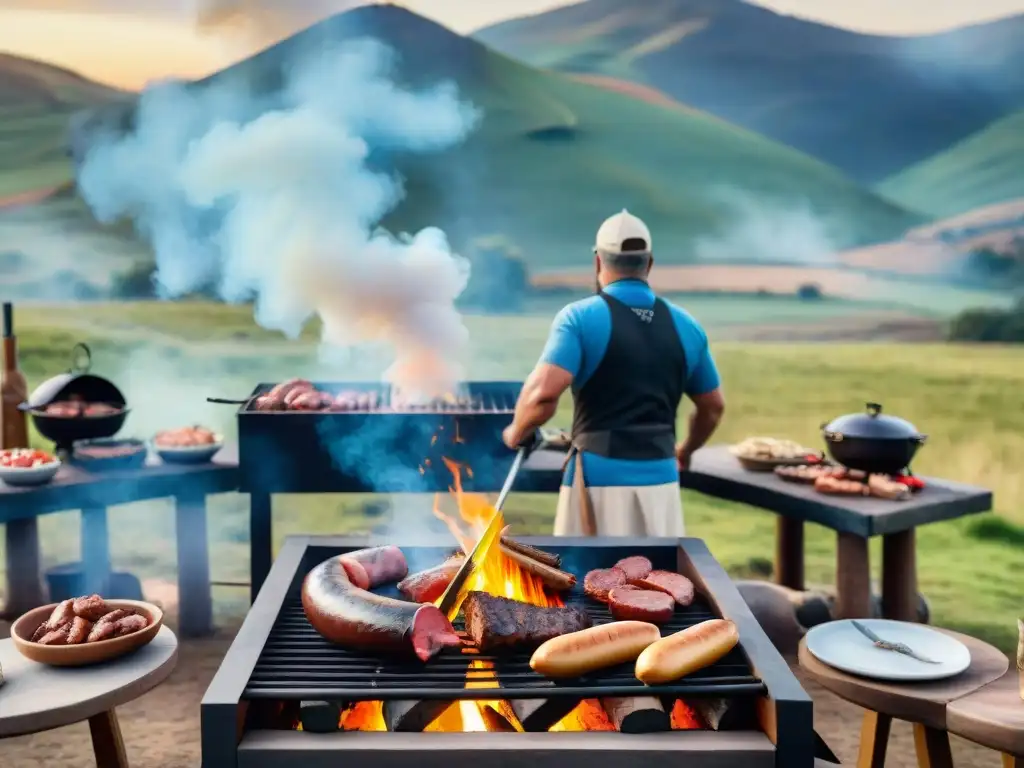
x,y
76,381
872,424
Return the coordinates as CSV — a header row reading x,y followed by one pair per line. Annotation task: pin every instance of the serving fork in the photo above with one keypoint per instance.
x,y
885,645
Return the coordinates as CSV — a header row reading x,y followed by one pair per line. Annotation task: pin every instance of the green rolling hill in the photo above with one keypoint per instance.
x,y
36,104
553,157
985,168
869,105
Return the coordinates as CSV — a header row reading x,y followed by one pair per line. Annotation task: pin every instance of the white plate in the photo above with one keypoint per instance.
x,y
840,645
29,476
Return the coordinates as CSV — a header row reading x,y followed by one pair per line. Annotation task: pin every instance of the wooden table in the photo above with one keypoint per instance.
x,y
38,698
922,704
92,493
855,520
992,716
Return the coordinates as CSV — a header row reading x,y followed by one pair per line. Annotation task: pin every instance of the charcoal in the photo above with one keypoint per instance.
x,y
320,716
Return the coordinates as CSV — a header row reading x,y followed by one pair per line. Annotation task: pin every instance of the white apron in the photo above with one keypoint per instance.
x,y
643,510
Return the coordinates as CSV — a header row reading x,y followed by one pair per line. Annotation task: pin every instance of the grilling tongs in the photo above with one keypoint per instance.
x,y
452,598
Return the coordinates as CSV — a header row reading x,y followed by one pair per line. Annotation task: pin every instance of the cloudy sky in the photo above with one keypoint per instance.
x,y
128,42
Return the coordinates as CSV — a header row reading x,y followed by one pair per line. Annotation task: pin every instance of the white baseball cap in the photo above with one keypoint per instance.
x,y
620,228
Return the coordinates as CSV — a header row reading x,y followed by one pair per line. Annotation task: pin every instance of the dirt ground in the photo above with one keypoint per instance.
x,y
161,730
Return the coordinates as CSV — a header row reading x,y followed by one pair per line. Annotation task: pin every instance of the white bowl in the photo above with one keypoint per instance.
x,y
188,454
29,476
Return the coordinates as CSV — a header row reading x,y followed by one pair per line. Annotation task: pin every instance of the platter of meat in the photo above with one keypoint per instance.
x,y
187,445
763,454
85,630
804,473
107,453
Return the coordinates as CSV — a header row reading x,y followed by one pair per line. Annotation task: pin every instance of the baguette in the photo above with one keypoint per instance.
x,y
686,652
588,650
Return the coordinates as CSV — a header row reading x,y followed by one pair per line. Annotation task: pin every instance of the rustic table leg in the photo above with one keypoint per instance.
x,y
24,588
95,549
874,739
1009,761
261,540
853,577
932,746
899,576
789,552
107,743
195,602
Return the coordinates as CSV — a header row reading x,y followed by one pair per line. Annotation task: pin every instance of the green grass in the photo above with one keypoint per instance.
x,y
966,399
553,157
987,167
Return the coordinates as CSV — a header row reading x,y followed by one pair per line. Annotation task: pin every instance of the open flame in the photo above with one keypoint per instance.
x,y
502,576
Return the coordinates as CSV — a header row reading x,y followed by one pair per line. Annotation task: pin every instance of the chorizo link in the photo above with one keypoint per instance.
x,y
349,616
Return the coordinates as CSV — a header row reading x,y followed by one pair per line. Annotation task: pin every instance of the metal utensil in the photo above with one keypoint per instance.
x,y
885,645
450,602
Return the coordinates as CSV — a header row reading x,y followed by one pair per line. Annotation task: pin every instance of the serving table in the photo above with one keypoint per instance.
x,y
92,492
35,697
716,472
926,705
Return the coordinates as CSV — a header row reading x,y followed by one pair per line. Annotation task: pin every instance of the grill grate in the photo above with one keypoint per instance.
x,y
378,399
297,664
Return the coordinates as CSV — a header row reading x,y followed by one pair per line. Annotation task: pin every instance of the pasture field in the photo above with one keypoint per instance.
x,y
168,357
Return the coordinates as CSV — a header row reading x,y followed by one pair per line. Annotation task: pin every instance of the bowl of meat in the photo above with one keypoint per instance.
x,y
27,467
85,630
107,453
187,445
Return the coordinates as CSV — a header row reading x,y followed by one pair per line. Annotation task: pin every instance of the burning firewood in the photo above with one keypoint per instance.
x,y
724,714
412,716
538,715
533,553
554,579
495,722
637,714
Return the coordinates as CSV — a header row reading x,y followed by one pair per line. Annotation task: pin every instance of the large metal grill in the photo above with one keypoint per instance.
x,y
277,667
381,442
298,664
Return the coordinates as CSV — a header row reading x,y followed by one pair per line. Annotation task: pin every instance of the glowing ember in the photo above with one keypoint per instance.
x,y
364,716
684,718
588,716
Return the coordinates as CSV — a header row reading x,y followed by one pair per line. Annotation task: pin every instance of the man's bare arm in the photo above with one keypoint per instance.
x,y
538,401
703,422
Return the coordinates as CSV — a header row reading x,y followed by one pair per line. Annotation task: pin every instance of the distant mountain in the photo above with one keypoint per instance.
x,y
553,157
867,104
36,103
985,168
28,83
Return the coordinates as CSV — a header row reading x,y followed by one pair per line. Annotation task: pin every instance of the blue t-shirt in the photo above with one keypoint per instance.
x,y
578,341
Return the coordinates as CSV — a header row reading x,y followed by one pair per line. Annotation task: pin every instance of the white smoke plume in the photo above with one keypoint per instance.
x,y
756,230
275,201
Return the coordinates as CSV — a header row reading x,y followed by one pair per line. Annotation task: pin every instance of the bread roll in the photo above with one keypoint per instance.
x,y
687,651
588,650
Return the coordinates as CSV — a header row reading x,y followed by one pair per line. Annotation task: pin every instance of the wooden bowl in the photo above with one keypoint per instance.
x,y
86,653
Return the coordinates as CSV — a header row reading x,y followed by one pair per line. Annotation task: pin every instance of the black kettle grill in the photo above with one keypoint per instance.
x,y
76,384
872,442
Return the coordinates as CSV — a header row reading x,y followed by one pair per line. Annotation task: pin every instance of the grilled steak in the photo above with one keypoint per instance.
x,y
497,622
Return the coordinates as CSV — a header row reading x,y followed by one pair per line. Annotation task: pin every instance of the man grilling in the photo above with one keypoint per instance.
x,y
629,358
